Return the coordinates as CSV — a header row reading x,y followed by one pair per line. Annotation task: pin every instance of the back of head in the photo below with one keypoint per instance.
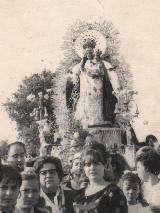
x,y
150,159
150,140
10,174
29,174
119,165
143,149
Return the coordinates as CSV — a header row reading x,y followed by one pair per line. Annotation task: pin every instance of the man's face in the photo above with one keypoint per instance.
x,y
8,193
16,157
29,193
49,179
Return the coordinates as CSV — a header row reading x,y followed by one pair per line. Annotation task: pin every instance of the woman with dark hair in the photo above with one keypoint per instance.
x,y
131,186
50,172
41,161
148,169
99,195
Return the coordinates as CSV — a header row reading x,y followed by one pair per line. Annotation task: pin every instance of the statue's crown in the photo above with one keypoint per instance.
x,y
89,43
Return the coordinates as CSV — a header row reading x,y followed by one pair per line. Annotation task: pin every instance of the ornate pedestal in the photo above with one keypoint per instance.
x,y
110,137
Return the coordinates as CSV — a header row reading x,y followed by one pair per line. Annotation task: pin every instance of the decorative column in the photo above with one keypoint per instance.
x,y
41,114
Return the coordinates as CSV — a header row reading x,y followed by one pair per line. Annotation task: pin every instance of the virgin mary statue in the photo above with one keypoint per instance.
x,y
92,92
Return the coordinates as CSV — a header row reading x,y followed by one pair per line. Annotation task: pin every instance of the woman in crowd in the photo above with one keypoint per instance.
x,y
131,185
99,195
50,172
75,172
148,169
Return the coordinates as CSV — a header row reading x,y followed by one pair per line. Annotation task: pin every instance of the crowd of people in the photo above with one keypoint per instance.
x,y
98,181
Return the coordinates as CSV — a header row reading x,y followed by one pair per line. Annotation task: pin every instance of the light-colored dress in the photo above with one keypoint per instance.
x,y
90,104
97,82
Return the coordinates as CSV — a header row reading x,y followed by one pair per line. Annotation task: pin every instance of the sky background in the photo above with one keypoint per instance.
x,y
32,34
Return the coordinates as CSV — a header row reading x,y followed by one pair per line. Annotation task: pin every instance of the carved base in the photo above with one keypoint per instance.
x,y
102,124
110,137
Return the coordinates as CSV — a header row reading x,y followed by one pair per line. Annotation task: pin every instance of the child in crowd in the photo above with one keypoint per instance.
x,y
131,185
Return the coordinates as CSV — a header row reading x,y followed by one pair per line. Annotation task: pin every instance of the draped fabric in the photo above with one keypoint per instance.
x,y
90,96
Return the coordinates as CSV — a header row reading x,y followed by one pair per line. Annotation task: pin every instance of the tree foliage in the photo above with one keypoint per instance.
x,y
19,108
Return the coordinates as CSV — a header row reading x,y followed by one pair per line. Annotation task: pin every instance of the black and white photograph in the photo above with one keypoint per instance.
x,y
79,106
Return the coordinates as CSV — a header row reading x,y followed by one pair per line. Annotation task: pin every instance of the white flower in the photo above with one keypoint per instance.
x,y
49,90
31,97
76,135
40,94
46,96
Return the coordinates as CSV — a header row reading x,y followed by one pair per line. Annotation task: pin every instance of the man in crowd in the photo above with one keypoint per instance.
x,y
29,199
10,182
15,155
50,174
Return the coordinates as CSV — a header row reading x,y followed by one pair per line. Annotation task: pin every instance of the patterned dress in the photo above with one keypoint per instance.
x,y
89,93
90,104
108,200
